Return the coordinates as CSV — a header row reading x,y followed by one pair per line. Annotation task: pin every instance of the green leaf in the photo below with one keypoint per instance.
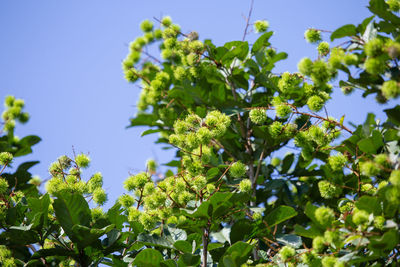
x,y
310,233
393,114
280,214
155,240
183,246
85,236
148,258
290,240
261,42
384,244
144,119
150,131
114,215
240,230
42,253
38,213
346,30
310,212
371,144
380,8
169,263
223,235
369,204
189,259
212,173
236,255
237,49
71,209
287,162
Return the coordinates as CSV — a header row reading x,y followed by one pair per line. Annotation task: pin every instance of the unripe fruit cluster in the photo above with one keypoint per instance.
x,y
13,112
68,178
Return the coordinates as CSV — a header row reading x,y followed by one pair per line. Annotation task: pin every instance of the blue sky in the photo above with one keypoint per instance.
x,y
64,58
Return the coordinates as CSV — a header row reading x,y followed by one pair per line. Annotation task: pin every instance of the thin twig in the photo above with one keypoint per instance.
x,y
248,20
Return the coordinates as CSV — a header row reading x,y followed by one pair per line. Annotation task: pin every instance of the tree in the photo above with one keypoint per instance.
x,y
227,200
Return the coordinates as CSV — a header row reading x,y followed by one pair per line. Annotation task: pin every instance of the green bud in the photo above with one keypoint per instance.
x,y
312,36
96,181
287,252
257,216
325,216
35,180
97,213
360,216
305,66
196,46
309,258
258,116
328,190
245,186
331,237
199,182
9,126
5,158
238,169
126,200
82,161
395,178
350,59
19,103
65,162
337,162
390,89
369,168
9,101
151,165
166,21
323,48
179,73
394,5
204,135
329,261
146,26
320,73
133,214
374,47
275,161
375,66
283,111
379,222
261,26
382,160
318,243
136,181
3,186
99,196
23,117
210,188
289,82
275,129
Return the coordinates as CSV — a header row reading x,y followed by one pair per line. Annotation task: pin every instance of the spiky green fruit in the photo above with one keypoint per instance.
x,y
325,216
312,36
258,116
238,169
390,89
261,26
286,253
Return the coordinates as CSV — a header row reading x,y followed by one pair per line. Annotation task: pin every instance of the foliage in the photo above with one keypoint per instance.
x,y
228,199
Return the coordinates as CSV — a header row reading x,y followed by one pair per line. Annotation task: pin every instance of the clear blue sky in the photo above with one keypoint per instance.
x,y
64,58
